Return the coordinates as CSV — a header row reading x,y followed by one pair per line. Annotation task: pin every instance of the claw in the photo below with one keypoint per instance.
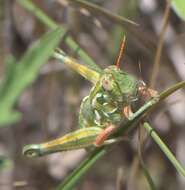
x,y
127,111
147,92
152,93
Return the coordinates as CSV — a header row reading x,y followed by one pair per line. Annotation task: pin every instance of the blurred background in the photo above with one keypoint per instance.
x,y
50,106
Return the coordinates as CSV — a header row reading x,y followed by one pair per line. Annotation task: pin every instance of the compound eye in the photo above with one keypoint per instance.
x,y
107,84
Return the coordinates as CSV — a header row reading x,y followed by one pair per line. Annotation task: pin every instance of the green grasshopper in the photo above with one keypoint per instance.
x,y
110,100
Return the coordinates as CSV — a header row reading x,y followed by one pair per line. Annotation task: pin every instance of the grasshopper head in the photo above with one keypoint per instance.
x,y
32,150
121,85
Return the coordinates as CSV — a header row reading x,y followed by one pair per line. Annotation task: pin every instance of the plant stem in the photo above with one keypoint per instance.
x,y
164,148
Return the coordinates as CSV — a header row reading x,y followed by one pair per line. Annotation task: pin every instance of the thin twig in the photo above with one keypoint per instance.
x,y
142,141
156,65
1,34
92,7
133,172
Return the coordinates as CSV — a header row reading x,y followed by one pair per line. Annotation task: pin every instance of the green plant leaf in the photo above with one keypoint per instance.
x,y
20,75
179,8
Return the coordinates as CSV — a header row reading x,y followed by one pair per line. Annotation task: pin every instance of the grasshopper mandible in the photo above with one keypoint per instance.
x,y
109,102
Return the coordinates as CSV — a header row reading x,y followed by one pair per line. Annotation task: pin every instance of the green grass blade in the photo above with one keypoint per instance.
x,y
165,149
20,75
171,90
75,176
27,4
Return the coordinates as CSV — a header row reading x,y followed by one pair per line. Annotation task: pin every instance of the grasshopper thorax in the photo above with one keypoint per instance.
x,y
122,86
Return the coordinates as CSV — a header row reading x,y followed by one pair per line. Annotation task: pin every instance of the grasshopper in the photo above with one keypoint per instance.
x,y
110,100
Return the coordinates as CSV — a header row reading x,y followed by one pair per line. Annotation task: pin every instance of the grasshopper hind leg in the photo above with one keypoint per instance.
x,y
102,138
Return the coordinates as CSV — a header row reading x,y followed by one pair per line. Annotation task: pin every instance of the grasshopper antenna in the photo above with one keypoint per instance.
x,y
143,85
140,70
121,52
